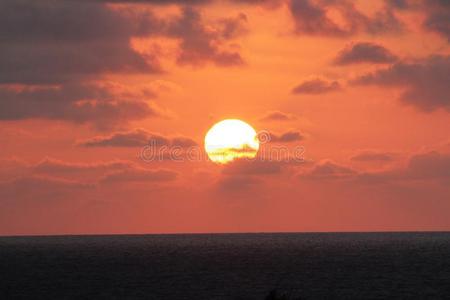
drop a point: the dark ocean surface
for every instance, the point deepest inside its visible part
(227, 266)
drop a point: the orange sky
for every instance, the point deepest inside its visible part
(361, 86)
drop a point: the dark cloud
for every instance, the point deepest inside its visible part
(364, 53)
(287, 137)
(437, 13)
(311, 17)
(278, 116)
(62, 45)
(159, 2)
(316, 86)
(398, 4)
(67, 40)
(373, 156)
(79, 103)
(139, 175)
(268, 3)
(384, 21)
(438, 19)
(265, 3)
(200, 43)
(425, 81)
(137, 138)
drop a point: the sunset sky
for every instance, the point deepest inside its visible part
(362, 87)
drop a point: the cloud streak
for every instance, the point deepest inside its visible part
(137, 138)
(316, 86)
(278, 116)
(139, 175)
(373, 156)
(55, 166)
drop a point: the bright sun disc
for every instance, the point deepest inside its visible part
(230, 139)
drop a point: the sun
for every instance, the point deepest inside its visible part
(230, 139)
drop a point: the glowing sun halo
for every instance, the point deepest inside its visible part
(230, 139)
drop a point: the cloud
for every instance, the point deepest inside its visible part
(253, 167)
(316, 86)
(159, 2)
(373, 156)
(438, 18)
(53, 172)
(398, 4)
(313, 18)
(425, 81)
(270, 4)
(327, 170)
(137, 138)
(437, 13)
(429, 165)
(134, 138)
(265, 3)
(262, 165)
(73, 41)
(12, 168)
(383, 22)
(238, 183)
(244, 174)
(78, 103)
(46, 183)
(183, 142)
(55, 166)
(200, 43)
(77, 171)
(58, 57)
(139, 175)
(278, 116)
(68, 41)
(364, 53)
(41, 188)
(423, 166)
(287, 137)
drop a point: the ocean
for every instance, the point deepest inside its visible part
(227, 266)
